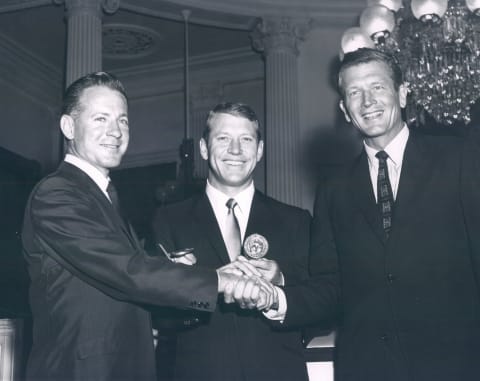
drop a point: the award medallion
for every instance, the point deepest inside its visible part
(255, 246)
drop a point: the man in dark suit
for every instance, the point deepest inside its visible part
(232, 343)
(398, 240)
(90, 277)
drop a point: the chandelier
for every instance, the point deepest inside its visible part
(437, 44)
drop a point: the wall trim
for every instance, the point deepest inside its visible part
(29, 74)
(145, 81)
(150, 158)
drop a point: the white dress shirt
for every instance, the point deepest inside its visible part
(92, 172)
(218, 200)
(244, 199)
(395, 150)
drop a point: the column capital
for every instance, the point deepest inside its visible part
(91, 7)
(280, 34)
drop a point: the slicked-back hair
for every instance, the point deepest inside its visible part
(71, 101)
(241, 110)
(367, 55)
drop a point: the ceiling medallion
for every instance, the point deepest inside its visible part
(128, 41)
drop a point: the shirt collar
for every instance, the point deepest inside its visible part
(394, 149)
(92, 172)
(243, 198)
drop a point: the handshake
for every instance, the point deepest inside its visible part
(250, 283)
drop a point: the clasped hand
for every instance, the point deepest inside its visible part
(249, 283)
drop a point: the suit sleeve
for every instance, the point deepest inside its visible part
(78, 233)
(295, 267)
(316, 299)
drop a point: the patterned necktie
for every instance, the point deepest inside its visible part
(232, 231)
(112, 193)
(384, 192)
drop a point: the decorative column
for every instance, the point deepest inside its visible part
(84, 35)
(204, 98)
(278, 39)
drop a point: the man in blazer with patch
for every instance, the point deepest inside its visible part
(403, 254)
(90, 277)
(233, 343)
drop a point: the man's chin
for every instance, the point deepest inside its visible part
(112, 163)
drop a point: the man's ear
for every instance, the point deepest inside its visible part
(203, 149)
(402, 95)
(260, 150)
(345, 112)
(67, 125)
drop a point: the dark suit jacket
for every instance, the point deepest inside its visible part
(234, 344)
(89, 280)
(410, 305)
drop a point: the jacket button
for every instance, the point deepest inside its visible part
(391, 277)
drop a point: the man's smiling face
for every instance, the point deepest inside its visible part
(232, 151)
(98, 131)
(372, 103)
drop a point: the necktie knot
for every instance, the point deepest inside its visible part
(381, 156)
(231, 204)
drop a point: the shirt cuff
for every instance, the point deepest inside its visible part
(281, 312)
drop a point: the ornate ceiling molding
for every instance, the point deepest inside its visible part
(343, 11)
(124, 41)
(172, 10)
(232, 14)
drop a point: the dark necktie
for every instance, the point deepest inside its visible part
(112, 193)
(233, 239)
(384, 192)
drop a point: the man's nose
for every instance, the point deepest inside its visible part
(114, 129)
(368, 99)
(235, 146)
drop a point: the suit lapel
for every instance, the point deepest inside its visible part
(415, 169)
(92, 189)
(207, 223)
(362, 190)
(259, 220)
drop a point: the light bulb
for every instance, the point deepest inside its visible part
(423, 9)
(393, 5)
(377, 20)
(353, 39)
(474, 6)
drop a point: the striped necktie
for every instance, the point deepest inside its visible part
(384, 192)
